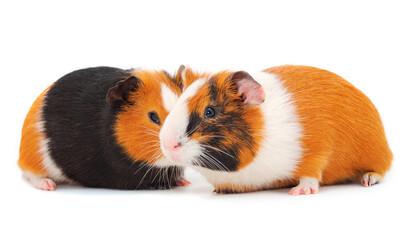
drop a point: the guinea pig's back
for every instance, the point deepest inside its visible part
(342, 131)
(77, 123)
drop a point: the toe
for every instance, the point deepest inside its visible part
(48, 185)
(372, 180)
(293, 191)
(365, 180)
(306, 186)
(306, 190)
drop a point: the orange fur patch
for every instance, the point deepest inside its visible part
(30, 158)
(189, 76)
(135, 132)
(343, 134)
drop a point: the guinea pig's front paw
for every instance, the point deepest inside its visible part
(306, 186)
(183, 183)
(168, 185)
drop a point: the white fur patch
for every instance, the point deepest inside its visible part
(169, 97)
(308, 182)
(192, 89)
(280, 150)
(176, 123)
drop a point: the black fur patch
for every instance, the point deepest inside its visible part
(213, 91)
(78, 122)
(194, 121)
(231, 133)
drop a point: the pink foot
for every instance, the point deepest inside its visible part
(48, 185)
(183, 183)
(370, 178)
(306, 186)
(365, 182)
(39, 181)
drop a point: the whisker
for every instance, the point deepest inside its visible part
(215, 136)
(193, 130)
(218, 162)
(167, 177)
(211, 162)
(215, 162)
(152, 148)
(217, 149)
(155, 141)
(142, 166)
(141, 134)
(139, 157)
(173, 174)
(150, 130)
(143, 177)
(155, 157)
(156, 176)
(217, 166)
(148, 162)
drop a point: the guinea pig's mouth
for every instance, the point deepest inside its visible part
(180, 151)
(174, 157)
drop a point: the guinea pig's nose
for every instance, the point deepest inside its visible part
(172, 144)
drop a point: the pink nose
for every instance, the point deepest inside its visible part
(171, 144)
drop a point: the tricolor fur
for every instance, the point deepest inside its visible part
(93, 127)
(312, 126)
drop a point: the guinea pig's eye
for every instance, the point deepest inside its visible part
(209, 112)
(154, 117)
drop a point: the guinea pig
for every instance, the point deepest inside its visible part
(286, 126)
(99, 127)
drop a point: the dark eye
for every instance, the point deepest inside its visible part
(209, 112)
(154, 117)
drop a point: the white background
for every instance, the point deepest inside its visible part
(366, 42)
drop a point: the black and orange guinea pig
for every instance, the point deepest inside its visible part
(287, 126)
(99, 127)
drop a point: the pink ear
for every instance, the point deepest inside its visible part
(251, 91)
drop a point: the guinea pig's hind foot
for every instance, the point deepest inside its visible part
(40, 182)
(370, 178)
(306, 186)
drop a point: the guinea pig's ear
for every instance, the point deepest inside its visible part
(118, 94)
(178, 76)
(180, 72)
(251, 92)
(187, 75)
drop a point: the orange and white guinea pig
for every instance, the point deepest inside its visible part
(287, 126)
(99, 127)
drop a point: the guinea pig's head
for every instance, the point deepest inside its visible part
(141, 103)
(216, 122)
